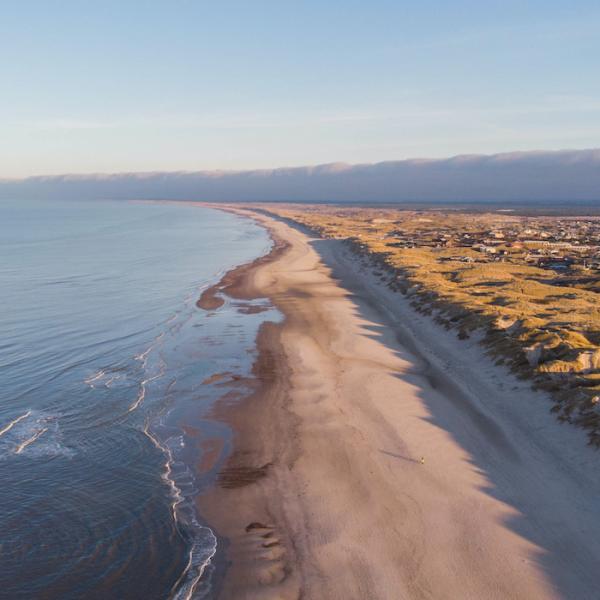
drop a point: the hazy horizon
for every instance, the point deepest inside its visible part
(561, 176)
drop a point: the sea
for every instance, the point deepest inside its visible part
(105, 394)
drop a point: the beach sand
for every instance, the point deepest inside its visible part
(379, 457)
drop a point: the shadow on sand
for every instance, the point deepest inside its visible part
(566, 552)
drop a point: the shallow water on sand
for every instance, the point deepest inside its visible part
(102, 358)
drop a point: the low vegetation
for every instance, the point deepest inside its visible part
(529, 284)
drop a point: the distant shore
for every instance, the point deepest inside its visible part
(377, 456)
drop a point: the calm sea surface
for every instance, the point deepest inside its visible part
(102, 358)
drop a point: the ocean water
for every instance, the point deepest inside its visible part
(104, 415)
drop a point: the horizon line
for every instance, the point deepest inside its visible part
(340, 164)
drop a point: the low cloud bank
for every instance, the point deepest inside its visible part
(570, 176)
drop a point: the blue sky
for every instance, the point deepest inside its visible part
(136, 86)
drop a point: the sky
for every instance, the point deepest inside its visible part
(107, 86)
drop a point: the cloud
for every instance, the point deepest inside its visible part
(568, 176)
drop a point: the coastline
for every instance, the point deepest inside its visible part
(253, 555)
(325, 476)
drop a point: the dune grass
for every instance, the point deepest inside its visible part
(539, 324)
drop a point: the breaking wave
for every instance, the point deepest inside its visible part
(150, 376)
(201, 540)
(33, 434)
(8, 427)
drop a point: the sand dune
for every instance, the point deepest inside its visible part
(382, 458)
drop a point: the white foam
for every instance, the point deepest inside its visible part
(140, 397)
(202, 550)
(22, 435)
(95, 377)
(106, 377)
(29, 441)
(143, 385)
(143, 356)
(8, 427)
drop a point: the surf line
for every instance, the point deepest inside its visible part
(13, 423)
(185, 586)
(95, 377)
(143, 357)
(32, 439)
(142, 388)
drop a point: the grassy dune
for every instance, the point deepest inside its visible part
(542, 325)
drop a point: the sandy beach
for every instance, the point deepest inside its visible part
(379, 457)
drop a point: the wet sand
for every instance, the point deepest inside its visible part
(377, 456)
